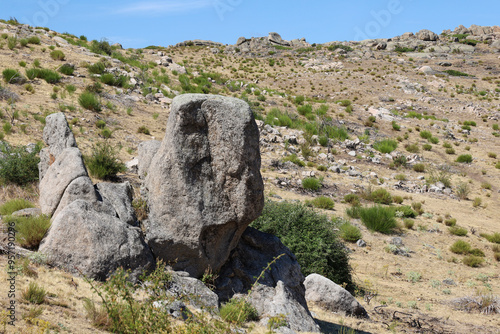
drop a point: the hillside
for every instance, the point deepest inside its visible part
(322, 112)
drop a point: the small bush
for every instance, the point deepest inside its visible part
(34, 40)
(477, 252)
(48, 75)
(67, 69)
(106, 133)
(14, 205)
(103, 163)
(294, 159)
(473, 261)
(405, 211)
(409, 223)
(494, 238)
(419, 168)
(97, 68)
(395, 126)
(349, 233)
(30, 230)
(426, 134)
(354, 212)
(322, 202)
(477, 202)
(311, 183)
(385, 146)
(378, 218)
(90, 101)
(458, 231)
(57, 55)
(427, 147)
(462, 190)
(460, 247)
(13, 76)
(34, 294)
(144, 130)
(412, 148)
(310, 237)
(464, 158)
(19, 166)
(238, 311)
(397, 199)
(450, 222)
(380, 196)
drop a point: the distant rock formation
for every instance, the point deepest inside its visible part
(273, 39)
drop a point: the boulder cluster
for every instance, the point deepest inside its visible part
(203, 188)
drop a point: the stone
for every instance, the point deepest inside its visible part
(79, 188)
(133, 166)
(427, 35)
(28, 212)
(279, 290)
(65, 169)
(240, 41)
(361, 243)
(196, 292)
(275, 38)
(58, 136)
(60, 40)
(95, 244)
(120, 197)
(204, 184)
(426, 70)
(146, 151)
(330, 296)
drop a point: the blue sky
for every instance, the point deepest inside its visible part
(141, 23)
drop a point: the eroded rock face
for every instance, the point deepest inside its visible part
(83, 239)
(204, 184)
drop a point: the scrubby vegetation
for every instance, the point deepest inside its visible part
(103, 162)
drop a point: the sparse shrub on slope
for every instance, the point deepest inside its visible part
(30, 230)
(103, 162)
(19, 166)
(378, 218)
(310, 237)
(14, 205)
(385, 146)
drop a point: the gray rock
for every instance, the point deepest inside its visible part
(120, 197)
(361, 243)
(79, 188)
(176, 309)
(427, 35)
(65, 169)
(84, 240)
(279, 290)
(196, 292)
(275, 38)
(328, 295)
(133, 166)
(146, 151)
(58, 136)
(204, 182)
(29, 212)
(496, 44)
(396, 241)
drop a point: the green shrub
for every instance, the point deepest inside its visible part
(34, 40)
(90, 101)
(48, 75)
(294, 159)
(112, 80)
(106, 133)
(473, 261)
(67, 69)
(459, 231)
(434, 140)
(397, 199)
(477, 252)
(395, 126)
(450, 222)
(412, 148)
(419, 168)
(378, 218)
(144, 130)
(19, 166)
(97, 68)
(323, 202)
(310, 237)
(409, 223)
(354, 212)
(11, 42)
(23, 42)
(57, 55)
(405, 211)
(494, 238)
(311, 183)
(238, 311)
(100, 124)
(427, 147)
(13, 76)
(456, 73)
(103, 163)
(34, 294)
(349, 233)
(30, 230)
(380, 196)
(425, 134)
(385, 146)
(101, 47)
(464, 158)
(14, 205)
(305, 109)
(352, 199)
(460, 247)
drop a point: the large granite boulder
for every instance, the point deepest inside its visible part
(332, 297)
(279, 289)
(204, 185)
(83, 239)
(427, 35)
(146, 151)
(119, 196)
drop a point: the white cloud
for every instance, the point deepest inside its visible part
(157, 7)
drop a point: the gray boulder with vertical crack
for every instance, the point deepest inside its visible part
(146, 151)
(204, 183)
(119, 196)
(81, 238)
